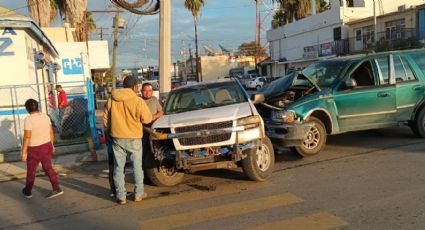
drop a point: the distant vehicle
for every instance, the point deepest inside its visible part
(256, 83)
(246, 78)
(176, 84)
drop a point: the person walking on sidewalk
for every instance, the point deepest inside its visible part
(38, 147)
(123, 117)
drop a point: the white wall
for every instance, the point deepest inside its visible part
(17, 83)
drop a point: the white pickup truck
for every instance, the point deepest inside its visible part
(209, 125)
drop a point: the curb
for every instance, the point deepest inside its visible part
(60, 150)
(63, 164)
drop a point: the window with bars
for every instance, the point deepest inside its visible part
(395, 29)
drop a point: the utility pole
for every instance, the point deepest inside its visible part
(114, 51)
(115, 45)
(165, 46)
(257, 31)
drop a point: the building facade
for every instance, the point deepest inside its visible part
(325, 34)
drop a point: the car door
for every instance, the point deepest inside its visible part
(372, 102)
(409, 90)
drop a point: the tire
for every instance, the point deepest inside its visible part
(164, 174)
(418, 125)
(259, 164)
(258, 87)
(315, 140)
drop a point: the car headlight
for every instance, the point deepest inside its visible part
(249, 122)
(287, 116)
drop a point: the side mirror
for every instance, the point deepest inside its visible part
(257, 98)
(350, 83)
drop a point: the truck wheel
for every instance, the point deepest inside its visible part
(314, 141)
(418, 125)
(162, 173)
(259, 163)
(258, 87)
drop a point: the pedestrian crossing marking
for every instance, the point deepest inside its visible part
(219, 212)
(200, 195)
(317, 221)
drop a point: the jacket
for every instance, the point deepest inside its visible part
(125, 113)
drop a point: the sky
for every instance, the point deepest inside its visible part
(225, 22)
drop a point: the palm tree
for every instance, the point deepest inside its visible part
(195, 7)
(42, 11)
(74, 12)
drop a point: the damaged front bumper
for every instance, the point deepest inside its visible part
(287, 134)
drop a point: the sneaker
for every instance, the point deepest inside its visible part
(26, 193)
(55, 193)
(121, 202)
(140, 198)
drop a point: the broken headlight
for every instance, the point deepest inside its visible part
(287, 116)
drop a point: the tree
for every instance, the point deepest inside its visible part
(42, 11)
(292, 10)
(195, 7)
(249, 49)
(74, 12)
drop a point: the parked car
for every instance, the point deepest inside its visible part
(246, 78)
(209, 125)
(256, 83)
(345, 94)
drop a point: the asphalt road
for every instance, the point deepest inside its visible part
(364, 180)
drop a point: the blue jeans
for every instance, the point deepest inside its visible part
(122, 147)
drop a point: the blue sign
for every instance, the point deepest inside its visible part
(72, 66)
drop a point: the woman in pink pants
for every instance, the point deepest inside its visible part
(38, 147)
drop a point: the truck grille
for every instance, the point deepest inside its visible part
(205, 139)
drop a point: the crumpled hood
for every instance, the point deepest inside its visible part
(123, 94)
(280, 85)
(204, 116)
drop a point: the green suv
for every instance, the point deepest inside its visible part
(345, 94)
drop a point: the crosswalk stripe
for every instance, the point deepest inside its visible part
(200, 195)
(317, 221)
(218, 212)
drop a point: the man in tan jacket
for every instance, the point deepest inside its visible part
(123, 117)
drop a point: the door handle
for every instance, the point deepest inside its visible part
(383, 94)
(418, 88)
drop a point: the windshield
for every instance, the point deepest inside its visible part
(204, 96)
(324, 73)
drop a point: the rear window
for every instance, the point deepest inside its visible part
(419, 58)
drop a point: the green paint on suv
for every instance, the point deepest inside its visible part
(345, 94)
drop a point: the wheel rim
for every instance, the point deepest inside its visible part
(313, 138)
(263, 158)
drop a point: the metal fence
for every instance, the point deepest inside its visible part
(73, 124)
(397, 39)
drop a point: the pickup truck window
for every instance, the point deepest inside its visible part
(204, 96)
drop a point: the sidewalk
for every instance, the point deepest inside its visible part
(62, 163)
